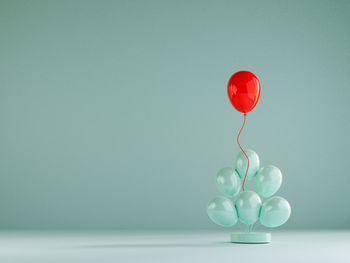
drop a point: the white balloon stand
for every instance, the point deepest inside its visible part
(250, 237)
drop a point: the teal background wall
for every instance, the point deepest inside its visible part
(114, 114)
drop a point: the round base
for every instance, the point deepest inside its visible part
(250, 237)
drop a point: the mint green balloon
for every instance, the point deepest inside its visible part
(275, 212)
(268, 180)
(248, 206)
(241, 163)
(228, 182)
(222, 211)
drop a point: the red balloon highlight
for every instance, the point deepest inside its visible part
(243, 90)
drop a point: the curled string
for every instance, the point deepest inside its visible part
(246, 172)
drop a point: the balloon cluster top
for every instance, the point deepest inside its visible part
(248, 206)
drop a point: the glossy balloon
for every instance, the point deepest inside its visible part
(222, 211)
(268, 180)
(228, 182)
(248, 205)
(275, 212)
(242, 162)
(243, 90)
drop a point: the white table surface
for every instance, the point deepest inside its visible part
(170, 246)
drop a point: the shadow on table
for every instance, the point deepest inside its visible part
(156, 245)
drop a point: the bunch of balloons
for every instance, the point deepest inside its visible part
(243, 90)
(248, 206)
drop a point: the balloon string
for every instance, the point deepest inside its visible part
(246, 172)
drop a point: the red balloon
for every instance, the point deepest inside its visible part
(243, 90)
